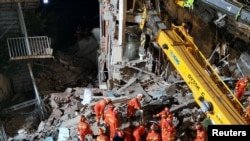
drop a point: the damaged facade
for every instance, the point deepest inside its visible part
(128, 64)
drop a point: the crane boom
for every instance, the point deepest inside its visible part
(209, 90)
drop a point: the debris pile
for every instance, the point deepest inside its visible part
(65, 108)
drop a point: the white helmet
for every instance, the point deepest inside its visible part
(139, 95)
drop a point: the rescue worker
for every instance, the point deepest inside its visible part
(139, 132)
(201, 134)
(153, 135)
(128, 131)
(113, 124)
(99, 109)
(102, 136)
(83, 128)
(164, 124)
(240, 87)
(119, 136)
(165, 111)
(170, 133)
(109, 113)
(134, 105)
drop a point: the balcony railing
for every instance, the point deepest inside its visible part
(29, 48)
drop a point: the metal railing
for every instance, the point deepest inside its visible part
(29, 48)
(19, 106)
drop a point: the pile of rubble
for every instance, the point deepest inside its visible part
(64, 108)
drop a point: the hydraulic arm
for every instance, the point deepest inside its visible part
(209, 90)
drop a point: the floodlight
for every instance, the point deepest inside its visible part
(45, 1)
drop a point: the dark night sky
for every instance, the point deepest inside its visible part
(69, 14)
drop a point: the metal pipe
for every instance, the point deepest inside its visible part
(23, 27)
(122, 16)
(100, 23)
(40, 104)
(238, 67)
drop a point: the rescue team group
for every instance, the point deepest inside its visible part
(164, 130)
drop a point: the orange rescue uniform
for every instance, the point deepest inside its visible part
(169, 134)
(108, 114)
(201, 135)
(139, 132)
(163, 124)
(128, 134)
(102, 138)
(113, 125)
(99, 109)
(133, 105)
(83, 129)
(240, 88)
(165, 111)
(153, 136)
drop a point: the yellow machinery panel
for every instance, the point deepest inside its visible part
(198, 80)
(209, 90)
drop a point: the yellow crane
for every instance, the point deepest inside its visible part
(209, 90)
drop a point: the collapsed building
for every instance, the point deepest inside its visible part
(124, 70)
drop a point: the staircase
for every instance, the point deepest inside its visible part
(21, 81)
(9, 21)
